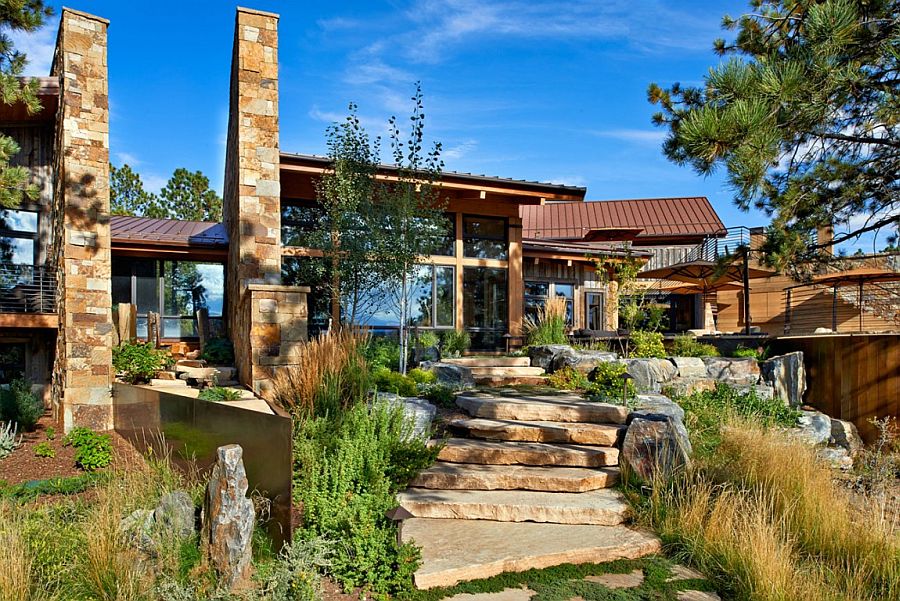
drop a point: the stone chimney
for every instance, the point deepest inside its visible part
(82, 373)
(824, 236)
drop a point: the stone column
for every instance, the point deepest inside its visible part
(82, 375)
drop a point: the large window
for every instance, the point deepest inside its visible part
(485, 237)
(537, 293)
(447, 246)
(485, 305)
(18, 236)
(297, 222)
(594, 309)
(430, 297)
(312, 272)
(12, 361)
(174, 289)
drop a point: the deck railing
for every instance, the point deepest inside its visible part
(27, 289)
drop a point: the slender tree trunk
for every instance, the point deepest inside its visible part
(404, 309)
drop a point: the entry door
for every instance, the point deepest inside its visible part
(594, 311)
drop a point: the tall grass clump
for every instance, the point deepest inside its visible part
(15, 560)
(330, 375)
(549, 326)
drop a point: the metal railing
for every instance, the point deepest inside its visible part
(27, 288)
(732, 241)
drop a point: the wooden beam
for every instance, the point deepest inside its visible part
(516, 279)
(29, 320)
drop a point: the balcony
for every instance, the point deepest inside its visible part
(27, 295)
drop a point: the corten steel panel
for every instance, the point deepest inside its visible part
(193, 429)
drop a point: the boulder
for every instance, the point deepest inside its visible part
(735, 371)
(457, 377)
(542, 356)
(837, 457)
(583, 361)
(762, 391)
(428, 353)
(845, 435)
(137, 527)
(650, 374)
(687, 386)
(656, 407)
(787, 375)
(175, 513)
(419, 412)
(652, 445)
(228, 518)
(813, 428)
(689, 367)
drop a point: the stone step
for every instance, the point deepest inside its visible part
(568, 432)
(464, 450)
(165, 382)
(490, 361)
(503, 381)
(502, 371)
(457, 550)
(473, 476)
(603, 507)
(541, 407)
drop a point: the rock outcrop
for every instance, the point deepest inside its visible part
(457, 377)
(652, 445)
(650, 374)
(734, 371)
(583, 361)
(543, 355)
(787, 375)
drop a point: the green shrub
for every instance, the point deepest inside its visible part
(19, 404)
(549, 326)
(421, 376)
(688, 346)
(428, 339)
(568, 378)
(606, 383)
(348, 469)
(382, 351)
(439, 394)
(758, 353)
(219, 393)
(93, 451)
(218, 351)
(647, 344)
(139, 361)
(50, 432)
(454, 343)
(43, 449)
(386, 380)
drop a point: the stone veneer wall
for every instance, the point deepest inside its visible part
(82, 373)
(266, 321)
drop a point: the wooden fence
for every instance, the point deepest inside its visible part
(854, 377)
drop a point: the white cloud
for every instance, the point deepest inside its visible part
(127, 157)
(460, 150)
(637, 136)
(153, 182)
(38, 47)
(569, 180)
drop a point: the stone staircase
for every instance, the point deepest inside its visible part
(501, 371)
(524, 483)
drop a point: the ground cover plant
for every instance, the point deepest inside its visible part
(93, 450)
(219, 394)
(607, 383)
(645, 344)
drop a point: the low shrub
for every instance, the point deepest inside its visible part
(50, 432)
(386, 380)
(139, 361)
(607, 383)
(454, 343)
(43, 449)
(219, 394)
(686, 345)
(330, 374)
(568, 378)
(9, 439)
(549, 326)
(348, 469)
(382, 351)
(93, 450)
(422, 376)
(427, 339)
(646, 344)
(19, 404)
(439, 394)
(759, 353)
(218, 351)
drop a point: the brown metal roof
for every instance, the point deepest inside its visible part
(657, 217)
(579, 249)
(167, 232)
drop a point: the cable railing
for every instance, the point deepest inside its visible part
(713, 248)
(27, 289)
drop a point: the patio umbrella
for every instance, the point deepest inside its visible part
(854, 277)
(682, 288)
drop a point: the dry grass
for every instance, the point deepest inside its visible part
(15, 559)
(549, 326)
(764, 516)
(331, 374)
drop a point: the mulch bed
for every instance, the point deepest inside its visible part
(23, 465)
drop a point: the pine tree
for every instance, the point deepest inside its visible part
(804, 115)
(187, 196)
(126, 193)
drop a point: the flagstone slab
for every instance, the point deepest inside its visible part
(465, 450)
(457, 550)
(468, 476)
(632, 579)
(540, 431)
(536, 407)
(604, 507)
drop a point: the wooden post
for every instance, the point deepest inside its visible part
(203, 327)
(127, 321)
(153, 329)
(834, 309)
(747, 319)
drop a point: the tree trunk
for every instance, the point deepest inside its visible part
(403, 311)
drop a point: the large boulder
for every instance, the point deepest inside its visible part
(845, 435)
(656, 407)
(419, 412)
(734, 371)
(650, 374)
(583, 361)
(175, 513)
(787, 375)
(689, 367)
(688, 386)
(762, 391)
(813, 428)
(173, 517)
(837, 457)
(542, 355)
(652, 445)
(228, 518)
(457, 377)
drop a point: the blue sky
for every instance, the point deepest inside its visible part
(550, 91)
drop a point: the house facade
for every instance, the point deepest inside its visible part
(68, 263)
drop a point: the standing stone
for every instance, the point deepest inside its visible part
(652, 445)
(228, 517)
(656, 407)
(787, 375)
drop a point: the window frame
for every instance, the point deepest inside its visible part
(466, 238)
(24, 234)
(551, 292)
(587, 309)
(303, 203)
